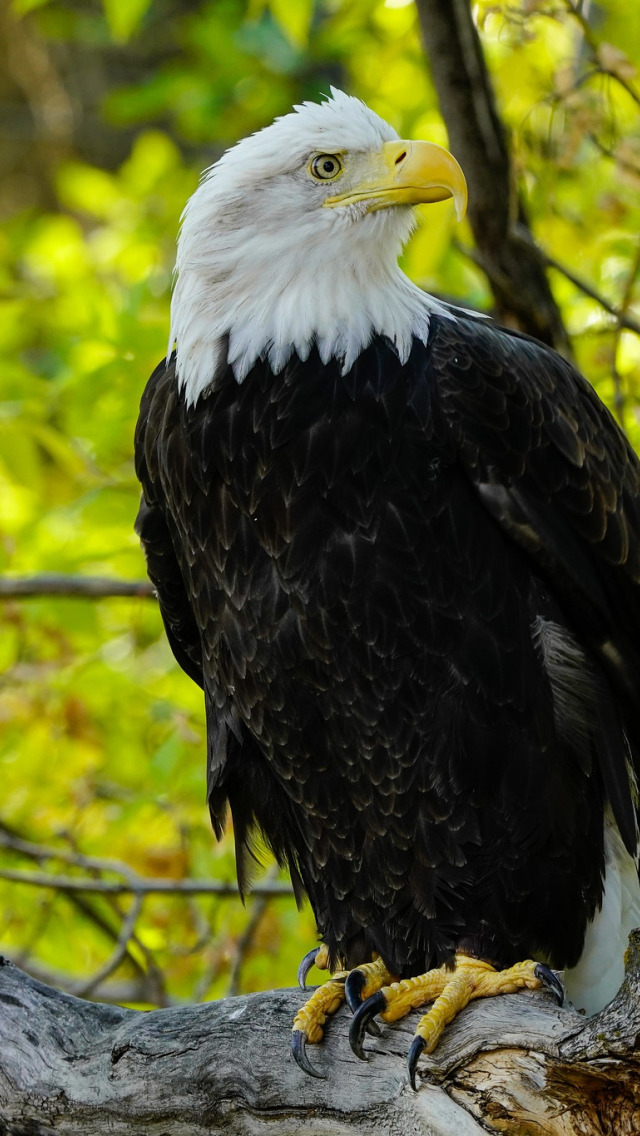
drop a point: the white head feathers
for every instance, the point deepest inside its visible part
(264, 270)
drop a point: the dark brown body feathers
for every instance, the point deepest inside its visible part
(411, 595)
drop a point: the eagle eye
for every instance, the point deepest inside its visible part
(325, 167)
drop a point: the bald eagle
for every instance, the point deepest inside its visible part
(399, 549)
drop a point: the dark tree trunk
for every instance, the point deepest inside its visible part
(505, 248)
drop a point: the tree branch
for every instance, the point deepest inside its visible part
(515, 1064)
(506, 249)
(141, 885)
(58, 584)
(133, 883)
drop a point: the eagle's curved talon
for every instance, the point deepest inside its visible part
(355, 983)
(299, 1054)
(305, 966)
(551, 981)
(416, 1049)
(362, 1018)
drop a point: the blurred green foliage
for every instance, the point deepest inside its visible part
(113, 109)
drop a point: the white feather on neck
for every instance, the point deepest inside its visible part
(264, 271)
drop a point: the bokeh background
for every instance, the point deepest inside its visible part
(109, 111)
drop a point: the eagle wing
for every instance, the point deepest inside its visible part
(230, 748)
(151, 526)
(555, 471)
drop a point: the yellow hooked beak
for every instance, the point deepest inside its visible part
(409, 173)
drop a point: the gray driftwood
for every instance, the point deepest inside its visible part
(515, 1064)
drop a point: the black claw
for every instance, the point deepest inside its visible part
(299, 1052)
(305, 966)
(551, 981)
(417, 1048)
(353, 987)
(361, 1019)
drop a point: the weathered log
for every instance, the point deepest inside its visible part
(515, 1064)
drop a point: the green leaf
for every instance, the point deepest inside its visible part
(294, 17)
(124, 17)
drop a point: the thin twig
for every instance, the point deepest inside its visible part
(120, 951)
(625, 321)
(243, 945)
(11, 840)
(58, 584)
(34, 851)
(627, 298)
(134, 885)
(576, 11)
(607, 152)
(141, 886)
(125, 938)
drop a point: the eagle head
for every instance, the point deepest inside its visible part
(292, 240)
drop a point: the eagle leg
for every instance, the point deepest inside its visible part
(450, 991)
(326, 999)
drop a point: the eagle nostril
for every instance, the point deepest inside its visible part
(401, 157)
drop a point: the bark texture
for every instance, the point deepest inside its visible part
(505, 248)
(515, 1064)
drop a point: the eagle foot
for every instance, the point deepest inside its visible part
(352, 986)
(450, 991)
